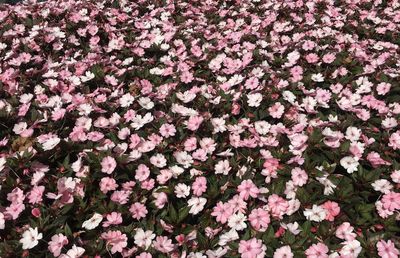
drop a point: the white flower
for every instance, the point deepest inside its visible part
(182, 190)
(158, 160)
(87, 77)
(2, 221)
(235, 79)
(222, 167)
(20, 127)
(317, 77)
(353, 133)
(93, 222)
(349, 163)
(30, 238)
(176, 171)
(196, 204)
(220, 252)
(351, 249)
(254, 100)
(229, 236)
(2, 163)
(292, 227)
(138, 121)
(218, 124)
(382, 185)
(317, 213)
(25, 98)
(126, 100)
(74, 252)
(262, 127)
(237, 221)
(85, 109)
(48, 141)
(186, 96)
(389, 122)
(183, 158)
(143, 239)
(289, 96)
(146, 103)
(329, 186)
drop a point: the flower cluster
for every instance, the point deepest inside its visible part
(203, 128)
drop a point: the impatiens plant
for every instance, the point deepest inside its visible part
(240, 128)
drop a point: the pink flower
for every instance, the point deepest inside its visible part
(108, 164)
(120, 197)
(312, 58)
(375, 159)
(386, 249)
(108, 184)
(138, 210)
(391, 201)
(277, 205)
(190, 144)
(222, 212)
(56, 244)
(247, 188)
(328, 58)
(186, 77)
(35, 195)
(167, 130)
(142, 172)
(116, 240)
(259, 219)
(251, 248)
(114, 218)
(14, 210)
(332, 210)
(199, 186)
(319, 250)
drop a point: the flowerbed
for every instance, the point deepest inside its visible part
(204, 129)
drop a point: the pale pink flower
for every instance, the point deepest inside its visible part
(116, 240)
(167, 130)
(108, 164)
(299, 176)
(194, 122)
(163, 244)
(56, 244)
(142, 172)
(319, 250)
(283, 252)
(345, 232)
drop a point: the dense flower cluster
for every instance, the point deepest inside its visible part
(247, 128)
